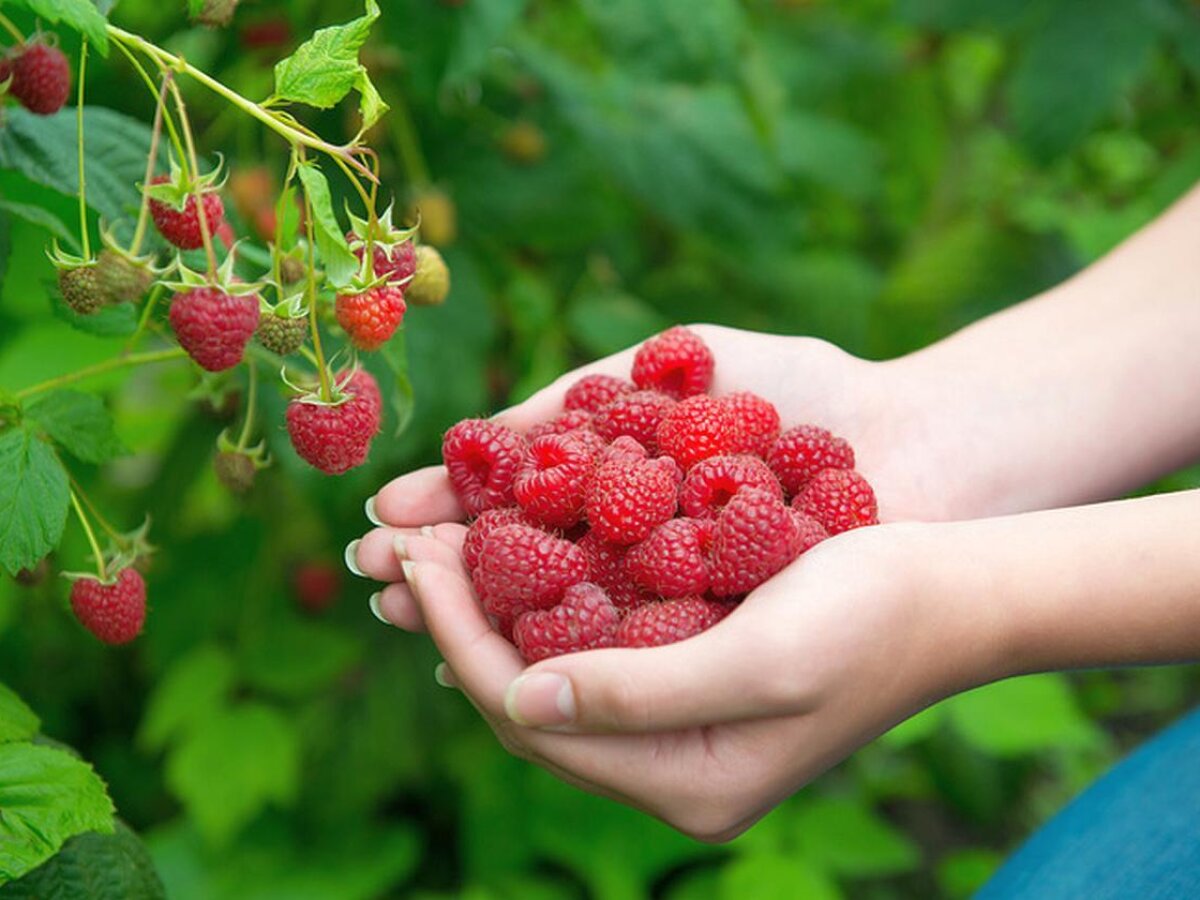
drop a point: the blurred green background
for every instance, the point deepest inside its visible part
(875, 173)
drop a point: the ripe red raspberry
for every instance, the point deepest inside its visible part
(624, 449)
(114, 612)
(594, 392)
(627, 500)
(523, 568)
(656, 624)
(758, 421)
(315, 585)
(585, 620)
(182, 226)
(214, 326)
(551, 483)
(809, 532)
(41, 78)
(802, 452)
(756, 536)
(673, 560)
(606, 567)
(840, 499)
(81, 289)
(482, 459)
(676, 362)
(697, 428)
(713, 482)
(396, 266)
(573, 420)
(481, 529)
(371, 317)
(336, 437)
(636, 415)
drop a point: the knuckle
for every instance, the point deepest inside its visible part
(620, 701)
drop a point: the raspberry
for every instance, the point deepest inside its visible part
(670, 621)
(697, 428)
(522, 568)
(627, 500)
(552, 482)
(213, 326)
(283, 335)
(396, 264)
(122, 279)
(624, 449)
(182, 226)
(810, 532)
(235, 471)
(585, 620)
(758, 421)
(336, 437)
(81, 288)
(431, 284)
(672, 561)
(562, 424)
(713, 482)
(315, 585)
(481, 529)
(41, 78)
(840, 499)
(114, 612)
(593, 392)
(606, 567)
(756, 536)
(802, 452)
(216, 13)
(482, 459)
(636, 415)
(676, 362)
(372, 316)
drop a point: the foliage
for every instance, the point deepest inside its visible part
(875, 174)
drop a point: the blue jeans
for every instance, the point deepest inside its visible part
(1133, 835)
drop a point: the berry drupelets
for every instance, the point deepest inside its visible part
(644, 510)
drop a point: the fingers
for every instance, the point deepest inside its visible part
(731, 672)
(395, 605)
(419, 498)
(378, 554)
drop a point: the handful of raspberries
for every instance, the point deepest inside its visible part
(646, 510)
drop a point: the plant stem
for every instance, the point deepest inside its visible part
(12, 29)
(141, 70)
(251, 405)
(95, 513)
(147, 310)
(109, 365)
(91, 536)
(139, 233)
(83, 220)
(198, 195)
(311, 297)
(293, 135)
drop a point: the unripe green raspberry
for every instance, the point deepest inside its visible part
(431, 283)
(122, 279)
(235, 471)
(81, 289)
(281, 334)
(217, 13)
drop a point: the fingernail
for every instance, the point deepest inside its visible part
(375, 608)
(369, 509)
(400, 546)
(410, 573)
(439, 675)
(351, 558)
(427, 531)
(540, 700)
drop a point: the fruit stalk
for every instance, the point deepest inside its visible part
(84, 238)
(118, 362)
(12, 29)
(91, 536)
(206, 234)
(139, 233)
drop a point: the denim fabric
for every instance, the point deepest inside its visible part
(1133, 835)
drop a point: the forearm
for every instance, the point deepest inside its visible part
(1078, 395)
(1111, 584)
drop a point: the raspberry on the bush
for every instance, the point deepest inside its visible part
(214, 326)
(677, 363)
(756, 535)
(552, 481)
(840, 499)
(181, 225)
(482, 458)
(627, 500)
(522, 568)
(336, 437)
(669, 621)
(591, 393)
(697, 428)
(800, 453)
(113, 611)
(713, 482)
(585, 620)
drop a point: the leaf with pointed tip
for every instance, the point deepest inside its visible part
(33, 499)
(340, 263)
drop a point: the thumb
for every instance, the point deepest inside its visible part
(724, 674)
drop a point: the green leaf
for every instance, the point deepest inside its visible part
(830, 153)
(917, 728)
(605, 322)
(82, 15)
(952, 15)
(847, 838)
(771, 876)
(481, 26)
(325, 68)
(17, 721)
(1022, 715)
(963, 872)
(93, 866)
(36, 215)
(33, 499)
(403, 397)
(47, 795)
(192, 692)
(79, 423)
(227, 772)
(1075, 65)
(340, 263)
